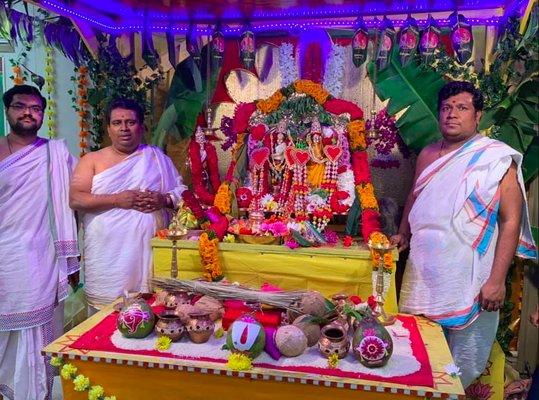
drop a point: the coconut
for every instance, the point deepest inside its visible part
(211, 306)
(290, 340)
(310, 329)
(183, 311)
(313, 303)
(246, 336)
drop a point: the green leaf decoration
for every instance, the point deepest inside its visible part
(165, 126)
(414, 90)
(530, 164)
(5, 23)
(188, 96)
(513, 121)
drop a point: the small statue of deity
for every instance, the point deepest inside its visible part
(314, 141)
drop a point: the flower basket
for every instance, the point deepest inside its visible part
(254, 239)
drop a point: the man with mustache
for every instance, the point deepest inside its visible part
(38, 245)
(123, 192)
(465, 219)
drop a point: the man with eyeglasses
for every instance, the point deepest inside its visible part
(38, 245)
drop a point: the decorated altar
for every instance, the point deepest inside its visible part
(328, 270)
(133, 369)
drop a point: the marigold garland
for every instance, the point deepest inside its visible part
(313, 89)
(82, 108)
(356, 132)
(367, 199)
(222, 198)
(81, 383)
(209, 257)
(270, 104)
(18, 77)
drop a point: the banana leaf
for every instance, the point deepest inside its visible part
(187, 96)
(515, 118)
(5, 23)
(530, 164)
(414, 89)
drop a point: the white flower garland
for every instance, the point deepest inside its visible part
(287, 64)
(334, 74)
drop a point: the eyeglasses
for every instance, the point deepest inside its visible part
(22, 107)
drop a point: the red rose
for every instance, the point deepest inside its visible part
(244, 197)
(355, 299)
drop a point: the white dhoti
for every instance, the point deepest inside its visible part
(117, 250)
(38, 250)
(454, 230)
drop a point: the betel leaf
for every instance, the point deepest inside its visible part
(413, 89)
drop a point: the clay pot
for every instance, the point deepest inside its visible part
(173, 299)
(169, 325)
(200, 327)
(333, 340)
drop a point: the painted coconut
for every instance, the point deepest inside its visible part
(372, 344)
(246, 335)
(136, 320)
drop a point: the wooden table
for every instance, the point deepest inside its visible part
(133, 376)
(328, 270)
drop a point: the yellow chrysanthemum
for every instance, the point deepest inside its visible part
(57, 361)
(81, 383)
(96, 392)
(163, 343)
(68, 371)
(239, 362)
(333, 361)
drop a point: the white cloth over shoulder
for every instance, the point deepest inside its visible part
(38, 250)
(454, 230)
(117, 250)
(38, 238)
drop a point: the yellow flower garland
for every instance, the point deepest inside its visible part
(222, 198)
(49, 89)
(356, 131)
(209, 256)
(81, 383)
(367, 199)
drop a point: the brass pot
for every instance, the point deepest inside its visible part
(333, 340)
(200, 327)
(175, 298)
(169, 325)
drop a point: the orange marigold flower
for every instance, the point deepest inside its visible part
(366, 196)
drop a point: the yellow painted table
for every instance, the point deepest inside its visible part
(134, 376)
(328, 270)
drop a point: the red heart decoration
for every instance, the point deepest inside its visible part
(289, 155)
(301, 157)
(332, 152)
(260, 156)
